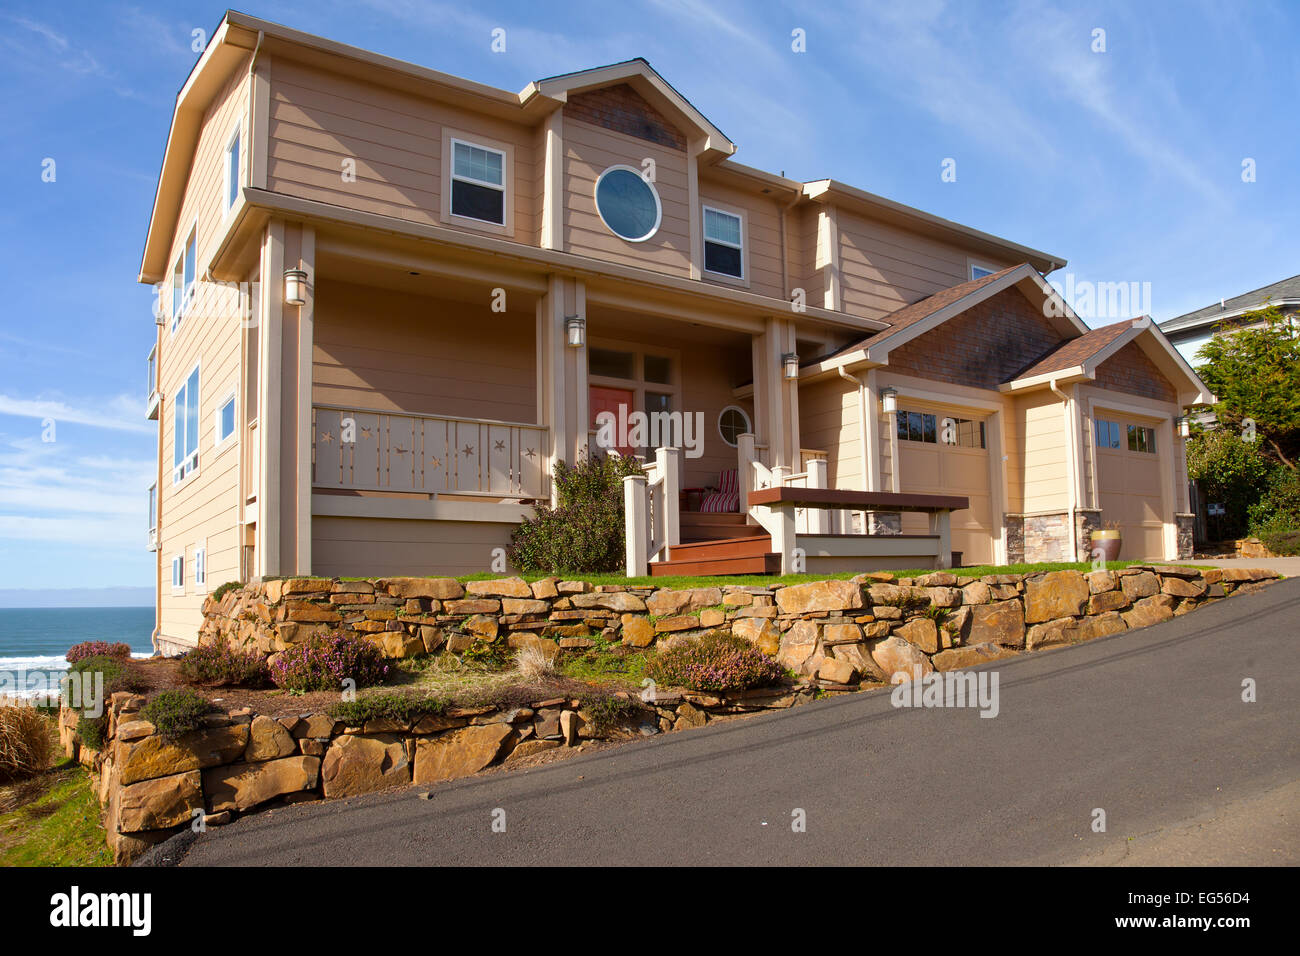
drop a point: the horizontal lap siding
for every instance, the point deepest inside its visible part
(762, 235)
(884, 267)
(205, 506)
(589, 151)
(366, 547)
(318, 120)
(1041, 452)
(709, 372)
(380, 349)
(829, 422)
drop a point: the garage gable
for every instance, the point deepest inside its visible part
(1130, 371)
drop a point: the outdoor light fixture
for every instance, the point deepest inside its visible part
(790, 365)
(295, 286)
(1184, 427)
(575, 331)
(889, 400)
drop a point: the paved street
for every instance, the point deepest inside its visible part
(1148, 726)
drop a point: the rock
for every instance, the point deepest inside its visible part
(134, 730)
(1002, 623)
(527, 748)
(500, 587)
(837, 671)
(799, 648)
(893, 655)
(1064, 630)
(841, 634)
(895, 596)
(306, 586)
(688, 715)
(944, 597)
(483, 626)
(977, 592)
(523, 606)
(1101, 581)
(760, 632)
(267, 740)
(671, 603)
(570, 725)
(858, 656)
(242, 785)
(1140, 585)
(153, 756)
(1180, 587)
(305, 612)
(1107, 601)
(432, 638)
(1100, 625)
(547, 721)
(400, 644)
(939, 579)
(683, 622)
(971, 655)
(922, 632)
(315, 725)
(545, 589)
(818, 596)
(443, 589)
(637, 631)
(1151, 610)
(1055, 594)
(548, 648)
(456, 642)
(159, 802)
(355, 764)
(712, 617)
(473, 606)
(435, 723)
(460, 752)
(609, 600)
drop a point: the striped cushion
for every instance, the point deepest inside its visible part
(726, 498)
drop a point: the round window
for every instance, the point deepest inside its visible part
(732, 423)
(628, 204)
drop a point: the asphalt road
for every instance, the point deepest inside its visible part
(1148, 726)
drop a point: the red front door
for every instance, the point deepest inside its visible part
(601, 398)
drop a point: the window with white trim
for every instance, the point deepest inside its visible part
(178, 572)
(232, 172)
(223, 423)
(183, 278)
(201, 565)
(933, 430)
(724, 243)
(733, 422)
(1141, 438)
(478, 185)
(1107, 433)
(979, 272)
(185, 425)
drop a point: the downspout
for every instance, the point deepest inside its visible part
(1071, 451)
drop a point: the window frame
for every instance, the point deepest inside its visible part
(749, 424)
(235, 139)
(185, 470)
(450, 138)
(743, 248)
(219, 443)
(201, 566)
(178, 561)
(987, 268)
(659, 204)
(638, 386)
(187, 261)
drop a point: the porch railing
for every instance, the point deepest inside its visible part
(367, 450)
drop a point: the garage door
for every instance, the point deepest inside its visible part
(929, 465)
(1128, 477)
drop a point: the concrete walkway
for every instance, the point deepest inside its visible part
(1287, 566)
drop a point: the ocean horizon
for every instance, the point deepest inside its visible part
(33, 641)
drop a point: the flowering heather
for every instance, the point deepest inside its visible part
(218, 664)
(323, 663)
(79, 652)
(714, 662)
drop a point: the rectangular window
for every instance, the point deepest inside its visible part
(178, 572)
(183, 279)
(927, 428)
(1141, 438)
(724, 243)
(978, 271)
(478, 189)
(611, 364)
(232, 172)
(1107, 433)
(224, 425)
(200, 565)
(917, 426)
(178, 291)
(185, 424)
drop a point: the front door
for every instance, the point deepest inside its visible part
(602, 398)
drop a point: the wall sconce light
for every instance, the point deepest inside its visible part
(1184, 427)
(295, 286)
(575, 331)
(889, 400)
(790, 366)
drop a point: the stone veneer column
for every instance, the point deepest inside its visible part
(1184, 527)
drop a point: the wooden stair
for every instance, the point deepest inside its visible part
(718, 544)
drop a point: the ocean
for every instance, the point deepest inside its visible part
(34, 640)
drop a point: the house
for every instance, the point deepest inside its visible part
(390, 300)
(1190, 331)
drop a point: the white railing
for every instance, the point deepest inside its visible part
(364, 450)
(651, 511)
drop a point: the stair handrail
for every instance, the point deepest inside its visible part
(651, 511)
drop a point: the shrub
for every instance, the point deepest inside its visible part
(92, 731)
(716, 661)
(324, 663)
(79, 652)
(175, 713)
(607, 711)
(489, 655)
(117, 671)
(533, 662)
(221, 590)
(25, 744)
(403, 708)
(584, 533)
(1231, 471)
(219, 665)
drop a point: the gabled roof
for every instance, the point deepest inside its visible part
(1283, 292)
(1074, 352)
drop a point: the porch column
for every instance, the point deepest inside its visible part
(284, 379)
(776, 400)
(562, 371)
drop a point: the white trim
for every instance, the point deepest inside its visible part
(705, 209)
(749, 423)
(178, 588)
(218, 442)
(502, 187)
(201, 566)
(227, 202)
(188, 292)
(348, 506)
(186, 470)
(659, 206)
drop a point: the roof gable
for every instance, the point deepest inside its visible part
(624, 110)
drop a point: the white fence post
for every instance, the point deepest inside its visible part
(818, 518)
(634, 515)
(941, 524)
(745, 472)
(669, 461)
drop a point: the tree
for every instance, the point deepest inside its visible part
(1255, 374)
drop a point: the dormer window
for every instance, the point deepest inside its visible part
(478, 189)
(724, 243)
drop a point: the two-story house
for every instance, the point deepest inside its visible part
(391, 300)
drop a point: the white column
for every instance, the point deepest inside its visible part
(669, 465)
(634, 513)
(941, 524)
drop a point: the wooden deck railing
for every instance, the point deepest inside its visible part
(367, 450)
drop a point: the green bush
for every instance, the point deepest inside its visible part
(584, 533)
(607, 711)
(325, 662)
(221, 590)
(716, 662)
(1231, 471)
(175, 713)
(118, 673)
(403, 708)
(92, 731)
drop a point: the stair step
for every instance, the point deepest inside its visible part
(755, 564)
(721, 548)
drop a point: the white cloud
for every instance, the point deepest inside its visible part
(121, 413)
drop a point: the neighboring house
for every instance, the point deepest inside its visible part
(1190, 331)
(390, 300)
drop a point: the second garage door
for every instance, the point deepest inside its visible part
(1128, 477)
(930, 465)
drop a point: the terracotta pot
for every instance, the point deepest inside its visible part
(1108, 542)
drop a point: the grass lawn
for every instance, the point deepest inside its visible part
(52, 820)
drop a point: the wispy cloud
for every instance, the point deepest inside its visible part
(121, 413)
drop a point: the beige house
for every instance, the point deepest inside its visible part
(390, 300)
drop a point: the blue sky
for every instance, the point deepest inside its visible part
(1127, 162)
